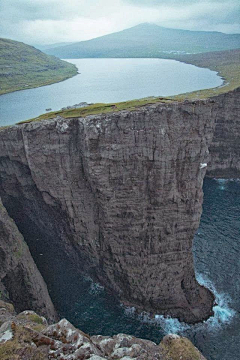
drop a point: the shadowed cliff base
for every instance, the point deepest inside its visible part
(20, 280)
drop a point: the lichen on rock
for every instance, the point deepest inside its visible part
(19, 340)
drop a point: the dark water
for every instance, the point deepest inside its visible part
(217, 259)
(107, 80)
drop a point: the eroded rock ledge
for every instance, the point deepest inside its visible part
(27, 336)
(122, 194)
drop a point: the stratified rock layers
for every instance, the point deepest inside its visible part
(122, 193)
(225, 147)
(20, 279)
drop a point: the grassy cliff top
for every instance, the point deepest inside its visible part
(226, 63)
(99, 108)
(23, 67)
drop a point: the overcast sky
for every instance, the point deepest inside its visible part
(50, 21)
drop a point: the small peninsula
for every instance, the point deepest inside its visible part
(23, 67)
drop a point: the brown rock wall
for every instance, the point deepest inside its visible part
(225, 147)
(122, 193)
(20, 280)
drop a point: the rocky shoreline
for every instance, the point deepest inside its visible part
(28, 336)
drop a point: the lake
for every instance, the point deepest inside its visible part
(107, 80)
(216, 244)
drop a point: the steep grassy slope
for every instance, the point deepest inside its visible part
(22, 66)
(148, 40)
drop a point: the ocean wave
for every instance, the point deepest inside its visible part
(223, 314)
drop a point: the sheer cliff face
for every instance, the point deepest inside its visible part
(122, 194)
(20, 279)
(225, 147)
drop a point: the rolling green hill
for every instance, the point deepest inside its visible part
(148, 40)
(23, 67)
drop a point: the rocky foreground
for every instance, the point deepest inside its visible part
(28, 336)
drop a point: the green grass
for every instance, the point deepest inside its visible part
(23, 67)
(100, 108)
(31, 317)
(20, 344)
(35, 318)
(180, 348)
(225, 63)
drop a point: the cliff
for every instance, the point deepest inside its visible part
(225, 147)
(121, 193)
(27, 336)
(20, 279)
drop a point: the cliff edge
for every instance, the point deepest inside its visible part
(121, 193)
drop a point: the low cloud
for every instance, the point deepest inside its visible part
(49, 21)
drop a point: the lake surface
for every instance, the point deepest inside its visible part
(108, 80)
(216, 251)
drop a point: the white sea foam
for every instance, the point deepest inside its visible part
(222, 183)
(95, 288)
(223, 314)
(129, 311)
(171, 325)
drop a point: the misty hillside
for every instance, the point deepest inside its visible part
(148, 40)
(22, 67)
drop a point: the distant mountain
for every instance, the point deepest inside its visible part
(148, 40)
(23, 67)
(51, 46)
